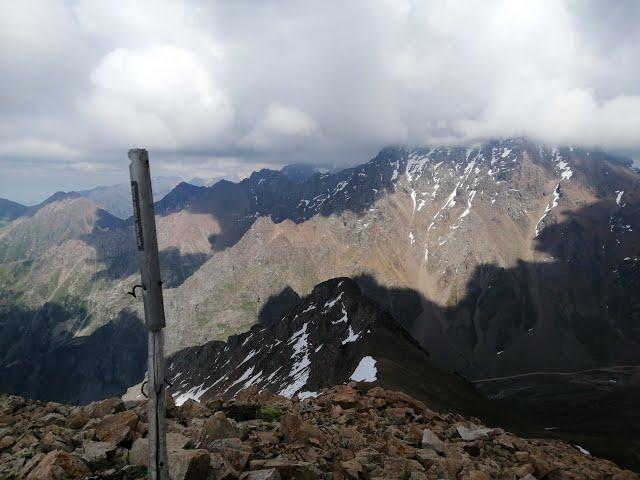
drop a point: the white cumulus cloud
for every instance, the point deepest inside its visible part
(274, 82)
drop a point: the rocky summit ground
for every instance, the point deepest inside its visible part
(348, 432)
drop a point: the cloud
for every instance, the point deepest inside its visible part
(267, 83)
(161, 96)
(35, 148)
(280, 125)
(557, 113)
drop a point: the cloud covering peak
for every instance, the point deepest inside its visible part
(213, 86)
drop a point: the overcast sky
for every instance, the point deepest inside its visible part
(213, 88)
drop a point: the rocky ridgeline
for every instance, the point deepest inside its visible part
(348, 432)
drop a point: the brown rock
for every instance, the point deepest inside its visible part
(143, 428)
(504, 442)
(542, 467)
(30, 465)
(118, 428)
(377, 392)
(293, 470)
(77, 419)
(345, 396)
(217, 427)
(431, 440)
(170, 405)
(232, 450)
(477, 475)
(473, 448)
(97, 454)
(297, 430)
(398, 467)
(366, 403)
(266, 438)
(269, 474)
(51, 441)
(188, 464)
(53, 419)
(105, 407)
(139, 453)
(418, 476)
(193, 409)
(524, 470)
(427, 457)
(352, 468)
(7, 420)
(402, 399)
(59, 465)
(398, 415)
(120, 457)
(7, 441)
(222, 470)
(27, 440)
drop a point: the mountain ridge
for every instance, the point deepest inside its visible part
(332, 336)
(538, 217)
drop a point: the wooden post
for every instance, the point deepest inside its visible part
(145, 230)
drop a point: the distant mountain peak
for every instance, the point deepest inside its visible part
(299, 172)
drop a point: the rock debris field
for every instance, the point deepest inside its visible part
(348, 432)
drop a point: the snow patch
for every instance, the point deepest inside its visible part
(366, 371)
(330, 303)
(252, 353)
(351, 337)
(194, 394)
(303, 395)
(344, 317)
(584, 451)
(551, 206)
(300, 370)
(242, 378)
(309, 308)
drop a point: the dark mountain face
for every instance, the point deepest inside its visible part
(10, 210)
(285, 195)
(43, 361)
(335, 334)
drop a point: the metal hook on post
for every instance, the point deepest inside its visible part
(133, 290)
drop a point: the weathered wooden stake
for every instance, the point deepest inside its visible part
(145, 230)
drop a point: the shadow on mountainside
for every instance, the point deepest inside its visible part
(605, 420)
(271, 193)
(277, 306)
(41, 358)
(116, 253)
(577, 309)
